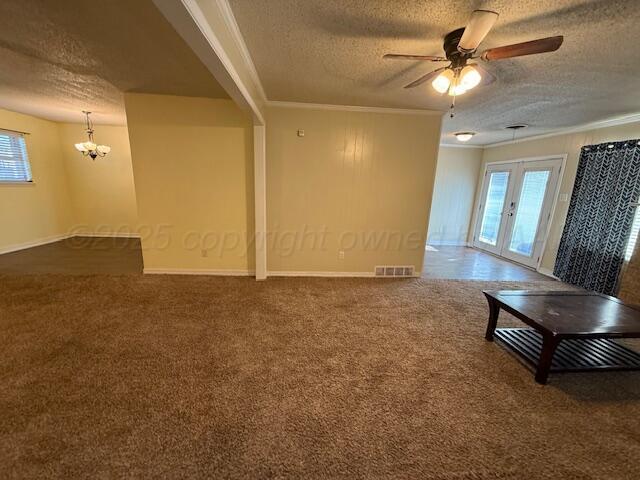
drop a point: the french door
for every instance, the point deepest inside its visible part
(515, 207)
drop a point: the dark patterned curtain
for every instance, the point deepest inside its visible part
(600, 216)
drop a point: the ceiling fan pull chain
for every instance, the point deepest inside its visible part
(452, 108)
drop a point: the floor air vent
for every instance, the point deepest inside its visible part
(393, 271)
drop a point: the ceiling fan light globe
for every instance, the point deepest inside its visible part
(443, 81)
(470, 77)
(457, 90)
(90, 145)
(80, 147)
(103, 149)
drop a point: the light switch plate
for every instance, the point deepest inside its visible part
(564, 197)
(301, 133)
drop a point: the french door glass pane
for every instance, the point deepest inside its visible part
(525, 228)
(633, 238)
(490, 227)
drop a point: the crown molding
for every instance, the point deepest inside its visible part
(352, 108)
(449, 145)
(230, 20)
(585, 127)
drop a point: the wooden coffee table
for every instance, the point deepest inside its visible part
(570, 330)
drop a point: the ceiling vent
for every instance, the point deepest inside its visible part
(516, 128)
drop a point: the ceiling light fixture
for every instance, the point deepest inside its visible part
(461, 46)
(457, 81)
(464, 136)
(90, 148)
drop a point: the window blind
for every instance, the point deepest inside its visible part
(14, 163)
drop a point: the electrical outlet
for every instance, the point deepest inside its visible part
(341, 255)
(301, 133)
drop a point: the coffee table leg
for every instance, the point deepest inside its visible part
(549, 345)
(494, 310)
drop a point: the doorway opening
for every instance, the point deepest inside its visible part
(516, 202)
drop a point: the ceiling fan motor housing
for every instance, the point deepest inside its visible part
(450, 46)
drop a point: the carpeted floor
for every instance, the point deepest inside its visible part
(204, 377)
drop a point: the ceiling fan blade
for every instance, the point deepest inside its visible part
(542, 45)
(429, 58)
(478, 27)
(425, 78)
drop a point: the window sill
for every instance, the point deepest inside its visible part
(5, 182)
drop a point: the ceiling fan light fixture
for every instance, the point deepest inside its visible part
(442, 82)
(457, 90)
(470, 77)
(464, 136)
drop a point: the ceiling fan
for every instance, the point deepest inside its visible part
(461, 75)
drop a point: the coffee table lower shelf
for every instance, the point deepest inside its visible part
(571, 355)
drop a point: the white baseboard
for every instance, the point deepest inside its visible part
(33, 243)
(107, 235)
(331, 274)
(198, 271)
(547, 272)
(56, 238)
(320, 274)
(448, 243)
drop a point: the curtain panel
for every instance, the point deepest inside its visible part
(600, 216)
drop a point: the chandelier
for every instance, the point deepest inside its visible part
(90, 148)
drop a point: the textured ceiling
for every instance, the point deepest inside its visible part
(330, 51)
(61, 57)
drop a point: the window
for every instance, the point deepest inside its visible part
(633, 238)
(14, 164)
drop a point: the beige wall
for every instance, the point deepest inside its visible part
(102, 190)
(32, 213)
(193, 170)
(569, 144)
(357, 182)
(454, 195)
